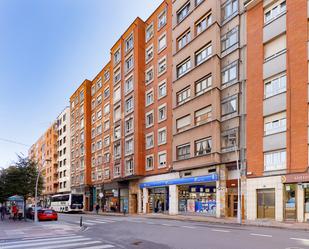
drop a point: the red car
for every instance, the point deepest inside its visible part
(47, 214)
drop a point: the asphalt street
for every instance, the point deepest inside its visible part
(135, 232)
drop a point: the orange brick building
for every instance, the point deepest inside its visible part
(277, 110)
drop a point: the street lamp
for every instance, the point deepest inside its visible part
(36, 190)
(239, 218)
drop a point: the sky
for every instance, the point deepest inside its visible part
(47, 49)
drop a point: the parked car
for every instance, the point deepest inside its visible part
(47, 214)
(30, 212)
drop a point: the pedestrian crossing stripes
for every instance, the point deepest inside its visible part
(95, 222)
(63, 242)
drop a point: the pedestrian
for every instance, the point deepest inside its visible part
(2, 211)
(14, 211)
(97, 208)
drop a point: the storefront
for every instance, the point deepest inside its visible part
(124, 200)
(194, 195)
(115, 197)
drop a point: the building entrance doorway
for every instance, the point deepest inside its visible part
(232, 205)
(290, 201)
(266, 204)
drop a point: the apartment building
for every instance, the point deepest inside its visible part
(208, 74)
(80, 122)
(64, 151)
(44, 153)
(277, 110)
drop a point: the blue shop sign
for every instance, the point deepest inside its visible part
(178, 181)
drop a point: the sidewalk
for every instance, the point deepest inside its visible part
(226, 221)
(14, 230)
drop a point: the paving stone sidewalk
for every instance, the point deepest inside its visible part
(11, 230)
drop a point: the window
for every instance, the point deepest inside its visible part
(183, 67)
(203, 23)
(198, 2)
(275, 86)
(106, 93)
(162, 66)
(230, 73)
(162, 136)
(129, 125)
(149, 75)
(183, 95)
(107, 157)
(99, 83)
(117, 150)
(202, 147)
(129, 105)
(149, 97)
(149, 140)
(183, 151)
(274, 11)
(82, 137)
(129, 167)
(183, 12)
(117, 56)
(128, 85)
(129, 63)
(106, 109)
(203, 85)
(162, 159)
(129, 43)
(117, 170)
(149, 119)
(149, 162)
(99, 114)
(149, 53)
(229, 106)
(117, 94)
(229, 39)
(184, 39)
(99, 99)
(99, 145)
(162, 19)
(203, 54)
(183, 123)
(202, 116)
(275, 160)
(99, 129)
(275, 47)
(149, 32)
(228, 140)
(162, 42)
(275, 123)
(162, 90)
(106, 76)
(162, 112)
(82, 123)
(229, 9)
(106, 125)
(81, 96)
(117, 132)
(106, 173)
(92, 90)
(106, 141)
(129, 146)
(117, 113)
(117, 76)
(92, 132)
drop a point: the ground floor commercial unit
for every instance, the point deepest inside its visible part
(280, 198)
(87, 192)
(204, 191)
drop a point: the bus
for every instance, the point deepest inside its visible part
(67, 203)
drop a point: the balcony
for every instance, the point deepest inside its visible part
(274, 28)
(274, 104)
(275, 65)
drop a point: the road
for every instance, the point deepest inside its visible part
(132, 232)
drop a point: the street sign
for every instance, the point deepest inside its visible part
(101, 195)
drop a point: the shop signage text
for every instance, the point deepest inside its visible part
(293, 178)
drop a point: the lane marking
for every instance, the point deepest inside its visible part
(219, 230)
(40, 240)
(261, 235)
(100, 247)
(167, 225)
(300, 239)
(188, 227)
(96, 221)
(34, 243)
(70, 245)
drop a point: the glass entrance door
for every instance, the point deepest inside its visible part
(290, 201)
(266, 203)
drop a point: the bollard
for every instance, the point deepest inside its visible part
(81, 221)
